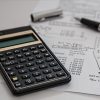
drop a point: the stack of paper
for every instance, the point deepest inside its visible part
(77, 47)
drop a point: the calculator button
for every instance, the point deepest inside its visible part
(50, 76)
(11, 74)
(32, 69)
(49, 59)
(57, 69)
(24, 49)
(1, 54)
(19, 66)
(22, 60)
(38, 56)
(52, 64)
(31, 58)
(8, 69)
(3, 59)
(16, 51)
(32, 48)
(29, 81)
(43, 50)
(11, 58)
(42, 66)
(13, 62)
(39, 62)
(39, 78)
(40, 46)
(25, 76)
(29, 64)
(36, 74)
(19, 56)
(61, 74)
(46, 55)
(15, 78)
(22, 71)
(27, 54)
(9, 53)
(47, 71)
(36, 52)
(17, 84)
(6, 63)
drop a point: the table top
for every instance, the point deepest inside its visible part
(15, 14)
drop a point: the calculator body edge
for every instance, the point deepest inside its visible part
(39, 86)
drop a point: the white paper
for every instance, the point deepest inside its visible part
(44, 5)
(76, 46)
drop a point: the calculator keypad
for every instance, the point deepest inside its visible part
(30, 65)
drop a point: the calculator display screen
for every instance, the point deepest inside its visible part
(17, 40)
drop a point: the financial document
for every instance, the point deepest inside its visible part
(76, 46)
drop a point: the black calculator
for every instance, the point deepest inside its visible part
(26, 62)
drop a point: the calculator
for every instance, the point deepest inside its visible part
(26, 62)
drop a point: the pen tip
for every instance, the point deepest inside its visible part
(77, 18)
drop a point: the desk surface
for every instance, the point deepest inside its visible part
(17, 13)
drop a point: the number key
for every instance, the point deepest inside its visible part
(3, 59)
(22, 71)
(1, 55)
(29, 81)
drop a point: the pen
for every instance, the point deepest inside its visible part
(90, 23)
(42, 15)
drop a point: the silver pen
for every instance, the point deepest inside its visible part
(38, 16)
